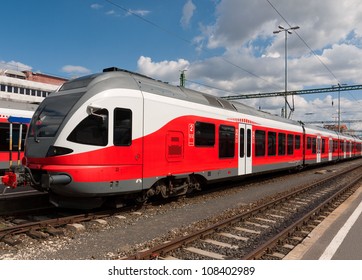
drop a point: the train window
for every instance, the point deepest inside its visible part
(323, 146)
(93, 130)
(22, 90)
(226, 141)
(248, 143)
(5, 136)
(10, 89)
(341, 146)
(122, 133)
(242, 142)
(309, 143)
(290, 147)
(314, 145)
(272, 143)
(16, 89)
(281, 144)
(297, 142)
(2, 87)
(259, 143)
(204, 134)
(335, 145)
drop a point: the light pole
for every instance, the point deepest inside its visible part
(286, 31)
(339, 105)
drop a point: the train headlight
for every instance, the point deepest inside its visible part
(58, 151)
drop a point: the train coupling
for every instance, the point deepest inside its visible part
(10, 179)
(14, 177)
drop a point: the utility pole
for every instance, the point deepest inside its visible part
(182, 78)
(339, 105)
(286, 32)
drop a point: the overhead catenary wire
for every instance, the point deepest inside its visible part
(174, 34)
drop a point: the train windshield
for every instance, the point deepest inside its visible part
(51, 113)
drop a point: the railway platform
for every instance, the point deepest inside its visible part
(338, 237)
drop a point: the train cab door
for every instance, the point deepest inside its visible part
(245, 149)
(128, 139)
(319, 149)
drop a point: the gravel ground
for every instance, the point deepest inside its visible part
(156, 223)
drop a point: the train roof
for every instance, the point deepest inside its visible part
(116, 77)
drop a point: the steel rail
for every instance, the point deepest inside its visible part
(258, 252)
(162, 249)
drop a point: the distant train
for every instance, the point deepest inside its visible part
(121, 134)
(13, 128)
(20, 94)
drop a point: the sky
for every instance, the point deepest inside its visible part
(227, 47)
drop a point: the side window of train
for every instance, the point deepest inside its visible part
(290, 147)
(226, 141)
(93, 130)
(5, 136)
(242, 142)
(259, 143)
(272, 143)
(309, 143)
(204, 134)
(122, 128)
(323, 146)
(297, 142)
(281, 144)
(314, 145)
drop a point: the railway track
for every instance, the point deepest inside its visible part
(24, 201)
(268, 231)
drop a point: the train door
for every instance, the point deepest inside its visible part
(319, 145)
(127, 138)
(330, 149)
(245, 149)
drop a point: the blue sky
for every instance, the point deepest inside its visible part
(225, 44)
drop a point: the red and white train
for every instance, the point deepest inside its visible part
(13, 123)
(119, 133)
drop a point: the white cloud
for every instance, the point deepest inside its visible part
(141, 13)
(187, 13)
(96, 6)
(75, 70)
(167, 71)
(14, 65)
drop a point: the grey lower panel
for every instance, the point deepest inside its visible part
(94, 189)
(276, 166)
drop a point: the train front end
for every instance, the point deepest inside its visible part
(79, 146)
